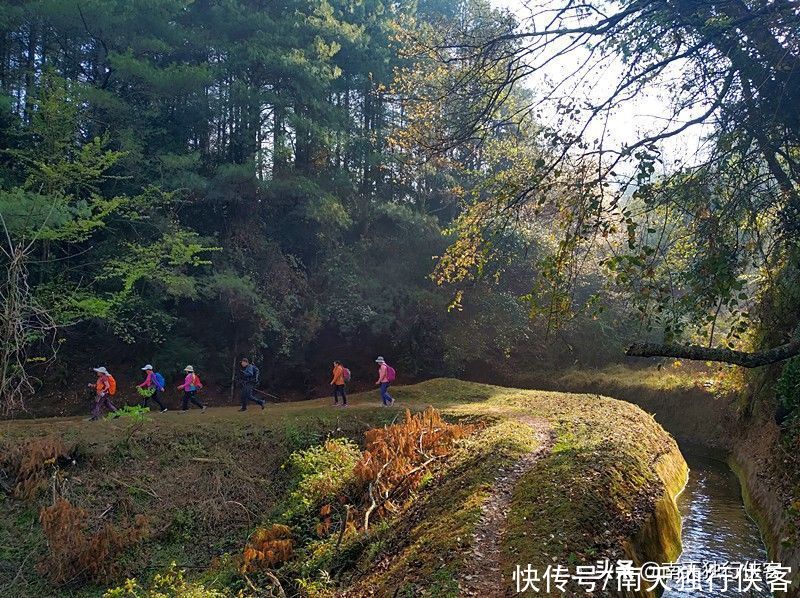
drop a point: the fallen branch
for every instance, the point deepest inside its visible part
(344, 519)
(696, 352)
(276, 584)
(374, 502)
(134, 487)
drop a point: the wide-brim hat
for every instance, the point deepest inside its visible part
(188, 368)
(101, 370)
(147, 367)
(380, 360)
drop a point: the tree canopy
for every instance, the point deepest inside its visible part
(303, 180)
(704, 247)
(192, 182)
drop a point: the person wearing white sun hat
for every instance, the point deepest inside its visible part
(386, 376)
(191, 384)
(152, 387)
(104, 387)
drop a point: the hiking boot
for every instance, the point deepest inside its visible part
(183, 412)
(243, 409)
(164, 410)
(203, 410)
(263, 404)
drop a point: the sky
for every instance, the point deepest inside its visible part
(645, 114)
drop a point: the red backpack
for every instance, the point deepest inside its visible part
(390, 373)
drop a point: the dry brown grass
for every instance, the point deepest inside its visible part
(74, 552)
(27, 463)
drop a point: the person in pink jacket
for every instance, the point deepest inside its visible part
(191, 384)
(152, 383)
(383, 382)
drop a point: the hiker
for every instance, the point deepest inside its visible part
(386, 376)
(250, 379)
(341, 375)
(103, 389)
(191, 384)
(152, 386)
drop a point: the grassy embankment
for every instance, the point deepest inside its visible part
(691, 401)
(206, 481)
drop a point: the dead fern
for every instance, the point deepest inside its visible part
(397, 458)
(74, 552)
(27, 465)
(268, 547)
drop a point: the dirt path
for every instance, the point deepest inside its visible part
(484, 576)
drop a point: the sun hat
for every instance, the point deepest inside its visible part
(380, 360)
(147, 367)
(101, 370)
(188, 368)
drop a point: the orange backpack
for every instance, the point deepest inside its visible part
(112, 385)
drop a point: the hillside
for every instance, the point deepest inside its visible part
(531, 477)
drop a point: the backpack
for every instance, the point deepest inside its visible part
(112, 385)
(257, 377)
(390, 373)
(161, 384)
(346, 375)
(196, 384)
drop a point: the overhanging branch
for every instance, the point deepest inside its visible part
(696, 352)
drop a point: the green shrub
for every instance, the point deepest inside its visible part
(171, 583)
(320, 474)
(136, 412)
(145, 392)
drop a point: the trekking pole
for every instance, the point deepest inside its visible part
(266, 394)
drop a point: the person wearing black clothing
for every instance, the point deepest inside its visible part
(249, 381)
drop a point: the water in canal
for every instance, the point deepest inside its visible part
(716, 526)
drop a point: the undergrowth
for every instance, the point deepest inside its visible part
(75, 552)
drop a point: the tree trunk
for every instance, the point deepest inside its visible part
(696, 352)
(278, 141)
(30, 74)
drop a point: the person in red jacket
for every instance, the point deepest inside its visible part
(338, 382)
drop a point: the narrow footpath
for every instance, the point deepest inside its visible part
(484, 576)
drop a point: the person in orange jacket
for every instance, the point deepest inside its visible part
(103, 390)
(338, 383)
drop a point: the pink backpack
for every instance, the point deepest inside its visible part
(390, 373)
